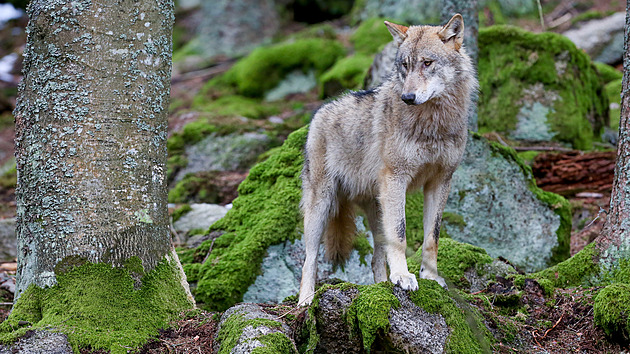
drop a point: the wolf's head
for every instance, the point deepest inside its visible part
(430, 59)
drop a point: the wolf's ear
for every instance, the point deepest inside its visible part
(399, 32)
(453, 31)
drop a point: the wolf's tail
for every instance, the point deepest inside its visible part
(340, 234)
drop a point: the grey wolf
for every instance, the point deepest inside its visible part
(368, 148)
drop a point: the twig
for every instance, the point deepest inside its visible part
(540, 14)
(6, 304)
(209, 251)
(541, 148)
(554, 326)
(536, 340)
(601, 210)
(478, 292)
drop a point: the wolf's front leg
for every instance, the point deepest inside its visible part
(392, 200)
(435, 196)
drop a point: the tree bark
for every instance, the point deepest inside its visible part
(91, 123)
(468, 10)
(614, 240)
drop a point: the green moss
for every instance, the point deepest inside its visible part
(347, 73)
(275, 343)
(415, 226)
(265, 213)
(371, 36)
(528, 156)
(195, 187)
(9, 178)
(265, 67)
(467, 333)
(363, 247)
(588, 15)
(613, 92)
(454, 259)
(98, 307)
(236, 105)
(232, 328)
(180, 211)
(611, 310)
(320, 30)
(607, 73)
(369, 312)
(575, 271)
(512, 60)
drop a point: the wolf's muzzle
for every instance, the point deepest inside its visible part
(409, 98)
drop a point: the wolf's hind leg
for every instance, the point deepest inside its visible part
(379, 260)
(392, 200)
(316, 217)
(435, 196)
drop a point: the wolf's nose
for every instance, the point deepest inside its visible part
(408, 98)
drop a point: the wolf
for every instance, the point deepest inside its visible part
(368, 148)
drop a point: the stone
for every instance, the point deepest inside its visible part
(601, 38)
(281, 270)
(405, 11)
(234, 27)
(41, 342)
(252, 319)
(200, 217)
(294, 82)
(8, 240)
(231, 152)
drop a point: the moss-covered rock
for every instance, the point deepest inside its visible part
(611, 310)
(265, 213)
(370, 37)
(613, 92)
(100, 307)
(539, 87)
(347, 73)
(265, 67)
(608, 73)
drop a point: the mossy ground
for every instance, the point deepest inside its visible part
(613, 91)
(371, 36)
(511, 60)
(98, 307)
(232, 328)
(265, 213)
(347, 74)
(612, 310)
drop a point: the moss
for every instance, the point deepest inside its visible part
(512, 60)
(197, 188)
(608, 73)
(371, 36)
(467, 333)
(363, 247)
(232, 328)
(613, 91)
(611, 309)
(369, 312)
(577, 270)
(415, 226)
(588, 15)
(99, 307)
(557, 203)
(528, 156)
(265, 213)
(9, 178)
(265, 67)
(180, 211)
(275, 343)
(320, 30)
(454, 259)
(347, 73)
(236, 105)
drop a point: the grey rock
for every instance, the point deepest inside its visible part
(202, 216)
(405, 11)
(40, 342)
(250, 337)
(233, 27)
(281, 270)
(224, 153)
(412, 329)
(382, 66)
(7, 282)
(602, 39)
(294, 82)
(8, 240)
(501, 214)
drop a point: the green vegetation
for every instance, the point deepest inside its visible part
(180, 211)
(235, 105)
(265, 67)
(197, 188)
(369, 312)
(232, 329)
(99, 307)
(611, 310)
(454, 259)
(9, 178)
(264, 214)
(512, 61)
(370, 37)
(607, 72)
(347, 73)
(613, 92)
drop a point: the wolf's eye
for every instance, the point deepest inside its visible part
(428, 63)
(404, 64)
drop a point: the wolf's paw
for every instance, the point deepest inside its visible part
(437, 278)
(306, 299)
(406, 281)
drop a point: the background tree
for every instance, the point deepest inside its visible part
(469, 11)
(94, 246)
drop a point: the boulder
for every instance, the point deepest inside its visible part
(414, 12)
(602, 39)
(42, 342)
(245, 327)
(200, 217)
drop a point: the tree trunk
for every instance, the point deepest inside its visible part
(91, 122)
(614, 240)
(468, 10)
